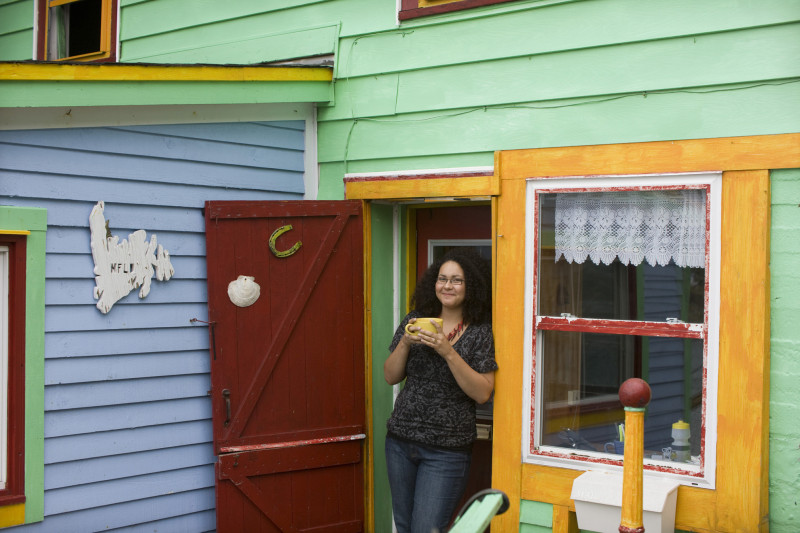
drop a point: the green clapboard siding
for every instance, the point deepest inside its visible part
(738, 110)
(16, 16)
(242, 31)
(16, 46)
(16, 30)
(535, 28)
(701, 61)
(784, 351)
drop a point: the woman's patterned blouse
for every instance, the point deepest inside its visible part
(432, 409)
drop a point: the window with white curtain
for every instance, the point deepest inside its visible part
(622, 281)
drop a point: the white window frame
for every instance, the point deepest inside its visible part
(532, 450)
(433, 243)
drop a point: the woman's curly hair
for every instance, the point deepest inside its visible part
(477, 283)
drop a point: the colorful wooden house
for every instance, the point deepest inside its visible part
(461, 122)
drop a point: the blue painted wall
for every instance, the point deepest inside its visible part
(127, 416)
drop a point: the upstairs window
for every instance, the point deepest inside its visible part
(419, 8)
(77, 30)
(623, 284)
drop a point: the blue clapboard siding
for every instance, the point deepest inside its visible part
(662, 298)
(127, 413)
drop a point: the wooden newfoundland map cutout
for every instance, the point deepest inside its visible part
(120, 267)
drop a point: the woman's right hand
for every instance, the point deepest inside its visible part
(408, 336)
(394, 368)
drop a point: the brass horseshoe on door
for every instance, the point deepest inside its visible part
(277, 233)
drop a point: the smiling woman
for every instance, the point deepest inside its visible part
(448, 371)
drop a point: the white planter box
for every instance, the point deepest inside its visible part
(598, 502)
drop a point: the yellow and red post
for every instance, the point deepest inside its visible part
(634, 395)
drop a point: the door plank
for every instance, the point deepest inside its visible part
(273, 461)
(254, 391)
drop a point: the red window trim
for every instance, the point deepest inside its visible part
(15, 481)
(409, 9)
(621, 327)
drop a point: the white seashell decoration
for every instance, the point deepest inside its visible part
(244, 291)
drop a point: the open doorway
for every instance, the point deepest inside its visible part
(439, 229)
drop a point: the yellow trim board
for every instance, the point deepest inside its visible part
(125, 72)
(14, 232)
(695, 155)
(369, 456)
(12, 515)
(427, 187)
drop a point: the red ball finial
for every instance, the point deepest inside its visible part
(634, 392)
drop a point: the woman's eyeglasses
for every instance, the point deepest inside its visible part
(455, 282)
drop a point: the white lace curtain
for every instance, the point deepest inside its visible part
(634, 226)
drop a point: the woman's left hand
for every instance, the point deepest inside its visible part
(438, 341)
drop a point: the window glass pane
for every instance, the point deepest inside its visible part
(581, 374)
(620, 291)
(75, 28)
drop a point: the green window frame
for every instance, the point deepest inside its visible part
(25, 229)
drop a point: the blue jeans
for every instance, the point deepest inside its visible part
(426, 484)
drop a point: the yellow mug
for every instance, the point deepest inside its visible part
(424, 323)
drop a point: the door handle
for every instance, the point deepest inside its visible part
(227, 395)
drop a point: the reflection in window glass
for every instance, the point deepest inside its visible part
(581, 375)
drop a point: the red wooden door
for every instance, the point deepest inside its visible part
(287, 372)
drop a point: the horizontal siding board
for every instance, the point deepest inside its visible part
(758, 110)
(128, 167)
(76, 240)
(707, 60)
(114, 142)
(122, 317)
(79, 291)
(16, 46)
(73, 343)
(81, 267)
(196, 522)
(172, 15)
(16, 17)
(122, 192)
(127, 489)
(134, 512)
(542, 29)
(286, 134)
(129, 366)
(129, 465)
(122, 392)
(130, 416)
(76, 447)
(261, 48)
